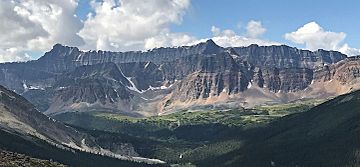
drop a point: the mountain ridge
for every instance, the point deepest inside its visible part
(163, 79)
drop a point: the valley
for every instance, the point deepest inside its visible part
(184, 137)
(198, 140)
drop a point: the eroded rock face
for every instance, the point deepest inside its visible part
(103, 84)
(143, 74)
(211, 75)
(287, 79)
(346, 71)
(121, 81)
(91, 87)
(203, 85)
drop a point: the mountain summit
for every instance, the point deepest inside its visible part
(210, 47)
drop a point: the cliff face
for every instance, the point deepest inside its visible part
(287, 57)
(125, 81)
(101, 83)
(286, 79)
(210, 75)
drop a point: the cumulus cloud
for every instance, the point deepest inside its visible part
(132, 24)
(255, 29)
(314, 37)
(35, 25)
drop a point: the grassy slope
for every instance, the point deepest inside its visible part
(291, 108)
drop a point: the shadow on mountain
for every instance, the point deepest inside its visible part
(327, 135)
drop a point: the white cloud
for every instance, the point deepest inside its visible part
(314, 37)
(132, 24)
(229, 38)
(168, 40)
(216, 31)
(349, 51)
(255, 29)
(36, 25)
(28, 26)
(12, 55)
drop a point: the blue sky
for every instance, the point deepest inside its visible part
(29, 28)
(278, 16)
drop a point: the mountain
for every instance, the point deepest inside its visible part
(162, 80)
(326, 135)
(26, 130)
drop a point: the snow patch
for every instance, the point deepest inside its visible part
(147, 64)
(25, 86)
(51, 119)
(144, 98)
(234, 56)
(249, 85)
(61, 87)
(133, 87)
(36, 88)
(160, 87)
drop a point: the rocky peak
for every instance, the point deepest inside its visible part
(59, 50)
(59, 59)
(209, 47)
